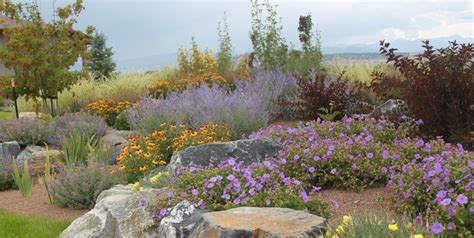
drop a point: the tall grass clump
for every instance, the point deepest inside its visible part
(22, 178)
(122, 87)
(252, 105)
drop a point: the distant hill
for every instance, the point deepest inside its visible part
(355, 51)
(403, 45)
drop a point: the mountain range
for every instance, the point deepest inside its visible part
(366, 51)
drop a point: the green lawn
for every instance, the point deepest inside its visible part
(24, 226)
(6, 115)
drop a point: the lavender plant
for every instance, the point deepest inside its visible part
(26, 131)
(6, 177)
(252, 105)
(86, 124)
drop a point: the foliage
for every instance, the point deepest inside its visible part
(31, 41)
(80, 186)
(100, 63)
(26, 131)
(159, 180)
(437, 181)
(6, 178)
(318, 92)
(108, 109)
(121, 121)
(252, 105)
(145, 153)
(22, 178)
(46, 177)
(123, 87)
(85, 124)
(234, 184)
(437, 85)
(224, 54)
(328, 114)
(371, 225)
(76, 148)
(207, 133)
(309, 59)
(354, 153)
(269, 47)
(26, 226)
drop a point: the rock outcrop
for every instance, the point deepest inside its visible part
(118, 213)
(181, 221)
(248, 150)
(115, 141)
(9, 149)
(259, 222)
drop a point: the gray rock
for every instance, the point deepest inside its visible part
(117, 213)
(9, 149)
(115, 141)
(30, 115)
(181, 221)
(259, 222)
(27, 154)
(248, 150)
(393, 108)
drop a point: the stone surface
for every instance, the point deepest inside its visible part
(117, 213)
(11, 148)
(181, 221)
(29, 115)
(116, 140)
(39, 158)
(259, 222)
(391, 108)
(27, 154)
(248, 150)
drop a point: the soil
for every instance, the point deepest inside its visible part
(36, 205)
(372, 200)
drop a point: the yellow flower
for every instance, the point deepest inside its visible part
(346, 219)
(154, 179)
(393, 227)
(417, 236)
(143, 168)
(136, 187)
(340, 229)
(410, 226)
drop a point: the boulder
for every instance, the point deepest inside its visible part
(39, 158)
(9, 149)
(392, 108)
(27, 154)
(30, 115)
(259, 222)
(115, 141)
(181, 221)
(117, 213)
(248, 150)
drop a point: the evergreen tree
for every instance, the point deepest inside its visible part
(100, 63)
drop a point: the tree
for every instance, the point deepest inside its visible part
(42, 53)
(224, 55)
(100, 63)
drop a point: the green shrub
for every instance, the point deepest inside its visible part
(121, 121)
(76, 148)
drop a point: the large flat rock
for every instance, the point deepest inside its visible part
(255, 222)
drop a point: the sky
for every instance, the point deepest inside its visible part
(141, 28)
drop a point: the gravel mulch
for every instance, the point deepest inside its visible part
(36, 205)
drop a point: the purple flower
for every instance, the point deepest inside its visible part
(441, 194)
(225, 196)
(296, 157)
(315, 189)
(194, 192)
(296, 182)
(333, 171)
(461, 199)
(370, 155)
(450, 226)
(304, 196)
(445, 202)
(142, 202)
(437, 228)
(210, 185)
(311, 169)
(316, 158)
(231, 177)
(163, 213)
(236, 201)
(384, 170)
(335, 204)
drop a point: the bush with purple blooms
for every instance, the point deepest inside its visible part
(26, 131)
(433, 178)
(251, 106)
(6, 178)
(353, 153)
(438, 181)
(233, 184)
(80, 186)
(84, 123)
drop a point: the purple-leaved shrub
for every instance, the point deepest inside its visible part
(84, 123)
